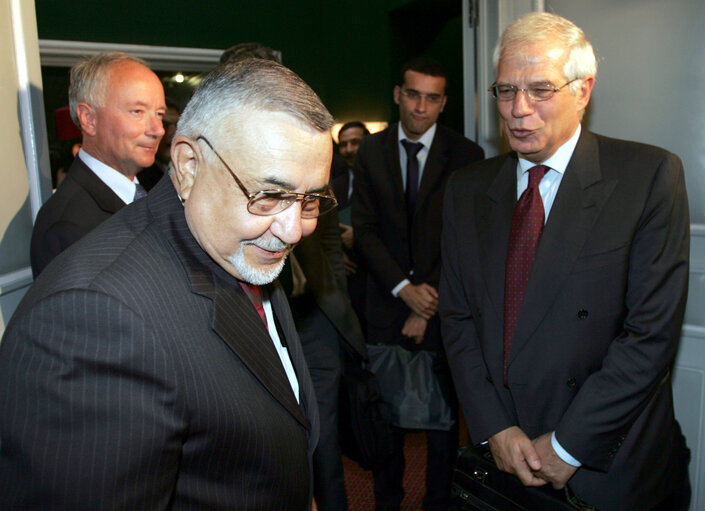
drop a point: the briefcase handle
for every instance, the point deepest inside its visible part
(570, 496)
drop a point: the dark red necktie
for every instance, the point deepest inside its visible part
(254, 293)
(527, 225)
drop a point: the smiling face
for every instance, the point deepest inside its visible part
(536, 129)
(349, 142)
(275, 151)
(124, 132)
(418, 115)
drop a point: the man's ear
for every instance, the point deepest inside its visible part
(87, 118)
(443, 102)
(186, 158)
(584, 92)
(397, 94)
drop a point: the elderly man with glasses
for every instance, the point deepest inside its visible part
(400, 176)
(565, 271)
(156, 364)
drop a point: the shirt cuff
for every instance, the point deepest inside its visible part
(399, 287)
(562, 453)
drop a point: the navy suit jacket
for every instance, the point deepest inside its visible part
(600, 322)
(381, 226)
(136, 374)
(80, 203)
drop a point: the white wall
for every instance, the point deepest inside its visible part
(23, 145)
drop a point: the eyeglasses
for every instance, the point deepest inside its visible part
(271, 202)
(507, 91)
(415, 95)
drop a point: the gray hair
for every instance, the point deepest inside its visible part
(88, 79)
(251, 84)
(250, 50)
(536, 26)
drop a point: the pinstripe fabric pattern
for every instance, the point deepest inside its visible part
(137, 375)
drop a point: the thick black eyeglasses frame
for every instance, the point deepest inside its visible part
(528, 91)
(285, 198)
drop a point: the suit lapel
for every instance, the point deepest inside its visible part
(391, 153)
(102, 194)
(435, 164)
(579, 201)
(235, 320)
(493, 217)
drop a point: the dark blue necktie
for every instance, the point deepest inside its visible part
(139, 192)
(412, 176)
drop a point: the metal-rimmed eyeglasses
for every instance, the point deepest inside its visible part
(271, 202)
(415, 95)
(539, 92)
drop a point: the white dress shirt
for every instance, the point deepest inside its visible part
(426, 140)
(118, 182)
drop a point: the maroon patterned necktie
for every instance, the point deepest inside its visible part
(527, 225)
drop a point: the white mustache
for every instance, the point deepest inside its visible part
(271, 244)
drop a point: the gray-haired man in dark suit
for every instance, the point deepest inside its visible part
(154, 365)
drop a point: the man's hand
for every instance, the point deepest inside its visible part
(346, 235)
(350, 265)
(553, 469)
(422, 299)
(414, 327)
(514, 453)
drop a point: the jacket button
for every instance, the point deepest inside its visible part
(582, 314)
(572, 383)
(489, 378)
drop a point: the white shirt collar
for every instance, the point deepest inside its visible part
(119, 183)
(426, 139)
(559, 160)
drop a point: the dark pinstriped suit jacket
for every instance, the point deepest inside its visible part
(136, 374)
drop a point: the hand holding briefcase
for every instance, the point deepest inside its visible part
(479, 485)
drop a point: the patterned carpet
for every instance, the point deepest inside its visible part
(359, 485)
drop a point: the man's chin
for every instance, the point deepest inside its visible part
(259, 275)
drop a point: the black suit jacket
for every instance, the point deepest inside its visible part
(80, 203)
(136, 374)
(601, 318)
(148, 177)
(380, 222)
(320, 256)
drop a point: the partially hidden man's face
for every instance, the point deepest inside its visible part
(124, 132)
(171, 118)
(536, 129)
(349, 142)
(275, 151)
(418, 115)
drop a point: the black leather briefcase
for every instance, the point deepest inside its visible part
(479, 485)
